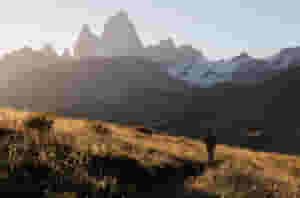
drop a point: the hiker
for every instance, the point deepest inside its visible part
(210, 141)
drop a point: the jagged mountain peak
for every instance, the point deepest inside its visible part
(120, 19)
(169, 43)
(122, 14)
(86, 28)
(66, 53)
(120, 37)
(290, 50)
(86, 43)
(243, 56)
(48, 50)
(86, 32)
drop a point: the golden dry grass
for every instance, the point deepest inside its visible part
(158, 148)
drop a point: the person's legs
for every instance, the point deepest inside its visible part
(208, 149)
(212, 158)
(211, 152)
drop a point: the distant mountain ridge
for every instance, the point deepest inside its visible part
(239, 69)
(160, 86)
(136, 89)
(186, 63)
(86, 82)
(120, 38)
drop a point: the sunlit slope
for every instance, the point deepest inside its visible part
(257, 172)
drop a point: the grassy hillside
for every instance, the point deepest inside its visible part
(124, 88)
(236, 173)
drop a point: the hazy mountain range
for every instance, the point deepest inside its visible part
(239, 69)
(120, 38)
(137, 89)
(154, 88)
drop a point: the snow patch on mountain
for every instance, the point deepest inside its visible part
(242, 68)
(205, 73)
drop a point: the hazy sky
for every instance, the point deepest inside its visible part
(218, 28)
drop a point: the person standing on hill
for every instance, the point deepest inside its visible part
(211, 141)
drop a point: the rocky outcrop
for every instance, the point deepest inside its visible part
(167, 44)
(120, 37)
(166, 50)
(187, 52)
(87, 43)
(48, 50)
(66, 54)
(286, 57)
(26, 58)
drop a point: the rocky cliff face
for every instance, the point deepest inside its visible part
(49, 51)
(167, 51)
(86, 44)
(66, 53)
(120, 37)
(27, 57)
